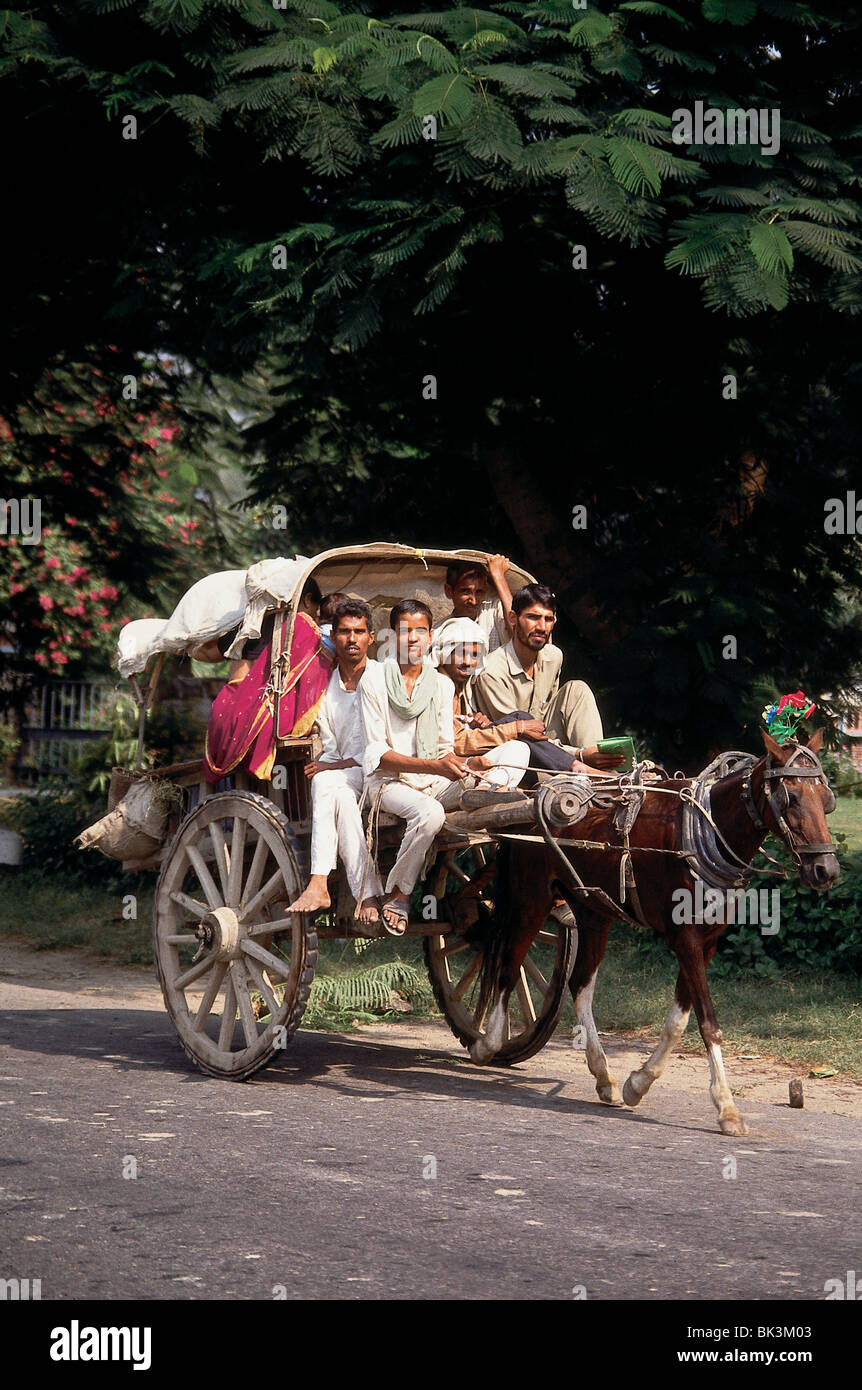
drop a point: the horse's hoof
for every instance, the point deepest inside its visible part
(630, 1095)
(609, 1094)
(480, 1052)
(733, 1125)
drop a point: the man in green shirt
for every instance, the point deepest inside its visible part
(525, 675)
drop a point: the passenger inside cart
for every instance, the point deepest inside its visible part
(241, 728)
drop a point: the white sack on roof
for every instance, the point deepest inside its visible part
(140, 636)
(267, 583)
(211, 607)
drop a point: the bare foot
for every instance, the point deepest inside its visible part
(314, 899)
(369, 911)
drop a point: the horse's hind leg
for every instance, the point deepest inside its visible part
(640, 1081)
(592, 940)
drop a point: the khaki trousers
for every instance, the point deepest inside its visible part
(573, 717)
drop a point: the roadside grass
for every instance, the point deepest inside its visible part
(50, 915)
(803, 1017)
(847, 817)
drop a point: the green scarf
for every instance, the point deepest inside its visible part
(423, 707)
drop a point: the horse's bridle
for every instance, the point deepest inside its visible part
(778, 799)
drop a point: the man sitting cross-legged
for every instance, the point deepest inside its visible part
(409, 760)
(460, 650)
(523, 679)
(336, 778)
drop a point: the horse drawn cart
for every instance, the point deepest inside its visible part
(235, 971)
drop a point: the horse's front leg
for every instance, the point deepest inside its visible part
(592, 940)
(639, 1081)
(693, 957)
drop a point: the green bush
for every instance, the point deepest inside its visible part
(48, 822)
(174, 733)
(819, 931)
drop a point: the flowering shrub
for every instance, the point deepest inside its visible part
(119, 538)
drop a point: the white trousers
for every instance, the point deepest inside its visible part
(424, 813)
(336, 829)
(513, 752)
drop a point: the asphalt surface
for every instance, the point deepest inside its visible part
(317, 1178)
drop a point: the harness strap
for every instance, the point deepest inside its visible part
(571, 881)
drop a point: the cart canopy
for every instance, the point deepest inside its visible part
(382, 573)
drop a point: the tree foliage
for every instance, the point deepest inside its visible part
(346, 203)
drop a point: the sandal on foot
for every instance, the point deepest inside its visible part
(563, 914)
(402, 910)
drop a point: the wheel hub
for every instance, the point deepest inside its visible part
(219, 932)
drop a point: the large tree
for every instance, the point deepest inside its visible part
(687, 377)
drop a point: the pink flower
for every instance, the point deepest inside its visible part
(52, 562)
(46, 602)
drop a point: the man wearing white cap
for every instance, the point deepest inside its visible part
(459, 650)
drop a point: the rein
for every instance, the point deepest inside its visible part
(705, 860)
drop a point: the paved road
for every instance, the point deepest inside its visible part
(316, 1176)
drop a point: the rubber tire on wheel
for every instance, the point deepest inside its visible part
(442, 951)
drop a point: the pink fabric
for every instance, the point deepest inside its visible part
(241, 732)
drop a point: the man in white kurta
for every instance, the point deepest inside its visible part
(336, 777)
(415, 783)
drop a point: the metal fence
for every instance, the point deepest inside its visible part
(60, 718)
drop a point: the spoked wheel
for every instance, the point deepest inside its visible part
(235, 972)
(455, 967)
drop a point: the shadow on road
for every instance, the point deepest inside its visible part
(353, 1067)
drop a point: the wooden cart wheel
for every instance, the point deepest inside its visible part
(455, 963)
(235, 972)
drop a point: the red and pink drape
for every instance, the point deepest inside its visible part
(241, 730)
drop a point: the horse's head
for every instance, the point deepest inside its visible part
(797, 800)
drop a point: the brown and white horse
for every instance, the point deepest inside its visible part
(784, 792)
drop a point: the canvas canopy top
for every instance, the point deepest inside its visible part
(382, 573)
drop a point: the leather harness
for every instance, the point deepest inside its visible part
(717, 868)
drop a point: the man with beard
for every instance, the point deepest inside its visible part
(461, 649)
(524, 677)
(336, 778)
